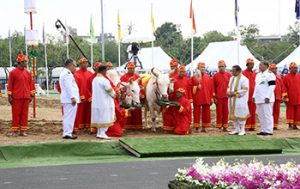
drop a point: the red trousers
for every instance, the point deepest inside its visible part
(20, 109)
(222, 113)
(276, 112)
(134, 119)
(83, 116)
(204, 114)
(293, 114)
(115, 130)
(251, 121)
(168, 121)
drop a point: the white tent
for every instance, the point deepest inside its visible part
(160, 59)
(293, 57)
(227, 51)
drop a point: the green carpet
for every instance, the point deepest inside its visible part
(196, 146)
(60, 153)
(75, 152)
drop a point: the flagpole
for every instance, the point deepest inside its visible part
(279, 21)
(46, 60)
(238, 46)
(192, 51)
(26, 48)
(119, 53)
(237, 31)
(46, 65)
(92, 54)
(10, 46)
(102, 32)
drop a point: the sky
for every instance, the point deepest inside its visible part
(272, 16)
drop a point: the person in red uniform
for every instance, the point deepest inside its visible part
(250, 74)
(173, 68)
(134, 120)
(220, 83)
(93, 130)
(117, 129)
(182, 113)
(20, 93)
(167, 114)
(202, 92)
(83, 115)
(278, 96)
(181, 81)
(291, 96)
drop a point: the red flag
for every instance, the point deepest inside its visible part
(194, 23)
(192, 16)
(191, 10)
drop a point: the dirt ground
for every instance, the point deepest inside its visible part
(47, 126)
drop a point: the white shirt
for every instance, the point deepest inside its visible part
(238, 104)
(262, 88)
(103, 106)
(69, 88)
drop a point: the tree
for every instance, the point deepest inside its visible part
(249, 34)
(169, 37)
(294, 34)
(215, 36)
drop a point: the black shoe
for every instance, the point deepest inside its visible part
(69, 137)
(261, 133)
(269, 133)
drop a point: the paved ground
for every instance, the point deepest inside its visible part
(148, 174)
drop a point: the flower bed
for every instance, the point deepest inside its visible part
(222, 175)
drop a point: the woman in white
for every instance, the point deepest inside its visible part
(103, 107)
(238, 98)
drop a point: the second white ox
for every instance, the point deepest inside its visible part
(131, 90)
(157, 89)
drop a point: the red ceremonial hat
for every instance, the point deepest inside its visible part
(108, 64)
(97, 65)
(221, 62)
(293, 65)
(250, 61)
(130, 65)
(273, 65)
(82, 60)
(174, 62)
(181, 68)
(21, 57)
(201, 64)
(181, 90)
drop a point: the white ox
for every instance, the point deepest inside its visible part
(157, 89)
(131, 90)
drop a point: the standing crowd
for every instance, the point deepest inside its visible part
(90, 100)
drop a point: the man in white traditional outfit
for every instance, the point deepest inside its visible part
(238, 91)
(103, 106)
(69, 98)
(263, 97)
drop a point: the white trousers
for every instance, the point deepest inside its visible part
(239, 126)
(69, 118)
(265, 116)
(101, 131)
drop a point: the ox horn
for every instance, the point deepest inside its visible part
(139, 79)
(152, 71)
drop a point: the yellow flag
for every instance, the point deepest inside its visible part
(119, 27)
(152, 21)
